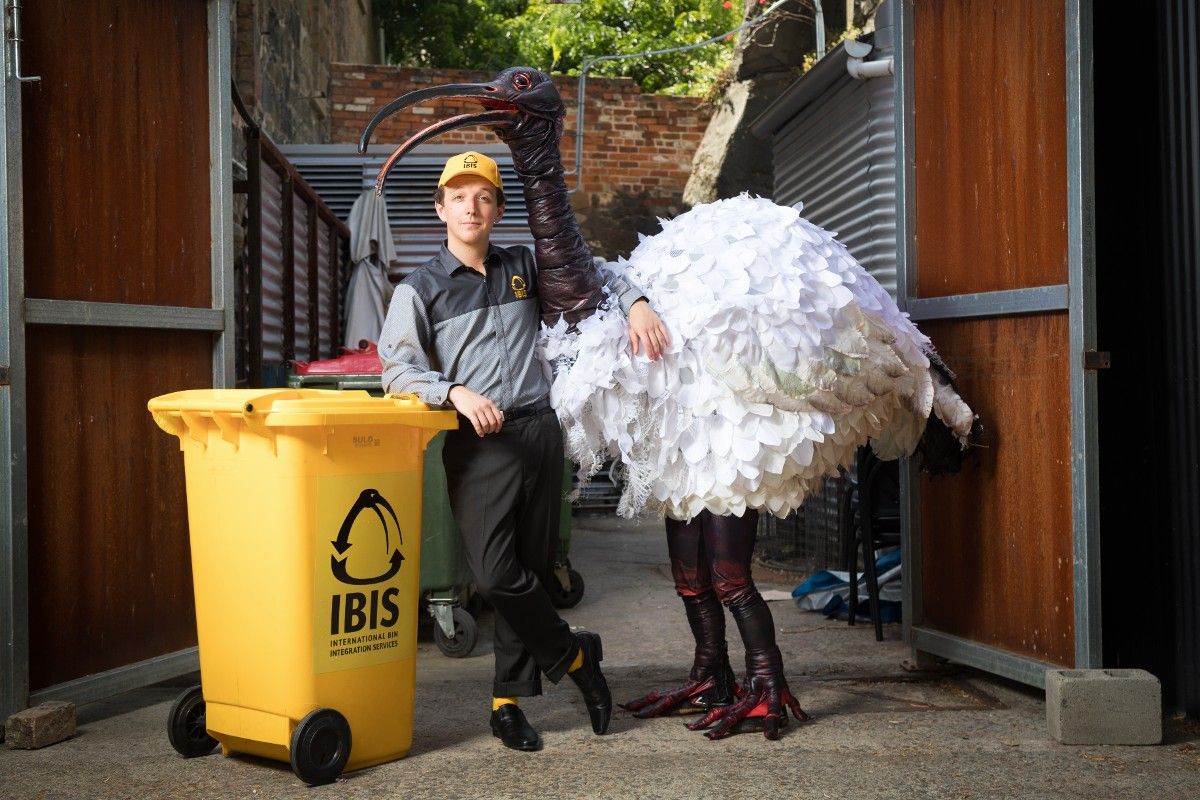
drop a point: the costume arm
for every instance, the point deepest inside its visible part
(626, 293)
(404, 348)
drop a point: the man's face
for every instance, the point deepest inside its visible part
(469, 209)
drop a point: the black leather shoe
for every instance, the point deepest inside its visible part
(510, 727)
(591, 682)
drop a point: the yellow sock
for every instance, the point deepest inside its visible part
(503, 701)
(578, 662)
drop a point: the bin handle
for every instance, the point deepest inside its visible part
(195, 427)
(171, 423)
(229, 429)
(429, 423)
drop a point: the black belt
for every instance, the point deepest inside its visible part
(513, 415)
(527, 411)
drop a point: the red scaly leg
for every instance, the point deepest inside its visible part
(766, 696)
(711, 682)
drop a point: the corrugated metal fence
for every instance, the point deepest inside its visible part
(292, 275)
(835, 152)
(837, 157)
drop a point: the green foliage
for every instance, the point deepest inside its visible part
(462, 34)
(557, 37)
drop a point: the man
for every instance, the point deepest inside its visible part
(462, 330)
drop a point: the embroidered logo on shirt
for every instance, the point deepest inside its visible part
(518, 287)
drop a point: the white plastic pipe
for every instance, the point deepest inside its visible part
(819, 24)
(870, 69)
(856, 51)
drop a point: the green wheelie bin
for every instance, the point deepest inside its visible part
(564, 584)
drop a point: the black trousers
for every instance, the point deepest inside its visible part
(505, 493)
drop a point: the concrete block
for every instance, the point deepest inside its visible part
(1103, 706)
(40, 726)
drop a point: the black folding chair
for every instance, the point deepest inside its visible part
(869, 511)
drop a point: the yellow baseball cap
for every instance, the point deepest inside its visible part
(471, 163)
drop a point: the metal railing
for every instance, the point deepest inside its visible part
(319, 313)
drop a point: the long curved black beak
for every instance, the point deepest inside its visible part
(460, 121)
(472, 91)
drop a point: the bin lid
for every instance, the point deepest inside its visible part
(275, 408)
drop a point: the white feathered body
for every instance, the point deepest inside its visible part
(786, 356)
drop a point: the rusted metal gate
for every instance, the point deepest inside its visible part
(994, 176)
(117, 281)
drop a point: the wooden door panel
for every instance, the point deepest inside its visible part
(117, 209)
(109, 569)
(996, 540)
(115, 139)
(991, 188)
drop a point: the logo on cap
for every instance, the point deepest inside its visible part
(471, 163)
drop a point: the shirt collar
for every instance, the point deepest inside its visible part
(450, 263)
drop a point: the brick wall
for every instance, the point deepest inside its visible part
(637, 148)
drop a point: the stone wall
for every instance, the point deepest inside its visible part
(282, 52)
(637, 152)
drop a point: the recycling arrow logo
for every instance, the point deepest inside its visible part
(368, 499)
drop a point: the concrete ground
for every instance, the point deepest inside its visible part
(877, 731)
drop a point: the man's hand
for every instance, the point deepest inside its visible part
(482, 412)
(647, 331)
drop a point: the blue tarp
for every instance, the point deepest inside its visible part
(828, 591)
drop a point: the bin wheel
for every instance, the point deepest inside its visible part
(465, 634)
(567, 598)
(186, 725)
(320, 746)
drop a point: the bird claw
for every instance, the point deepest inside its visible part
(765, 701)
(694, 697)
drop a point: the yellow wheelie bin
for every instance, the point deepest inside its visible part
(304, 508)
(446, 585)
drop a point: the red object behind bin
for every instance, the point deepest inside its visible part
(364, 361)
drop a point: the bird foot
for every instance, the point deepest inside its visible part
(763, 705)
(693, 697)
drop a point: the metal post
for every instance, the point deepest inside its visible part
(314, 284)
(335, 289)
(1081, 265)
(254, 310)
(14, 528)
(819, 25)
(220, 149)
(906, 286)
(287, 235)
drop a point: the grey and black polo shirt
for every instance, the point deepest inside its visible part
(449, 325)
